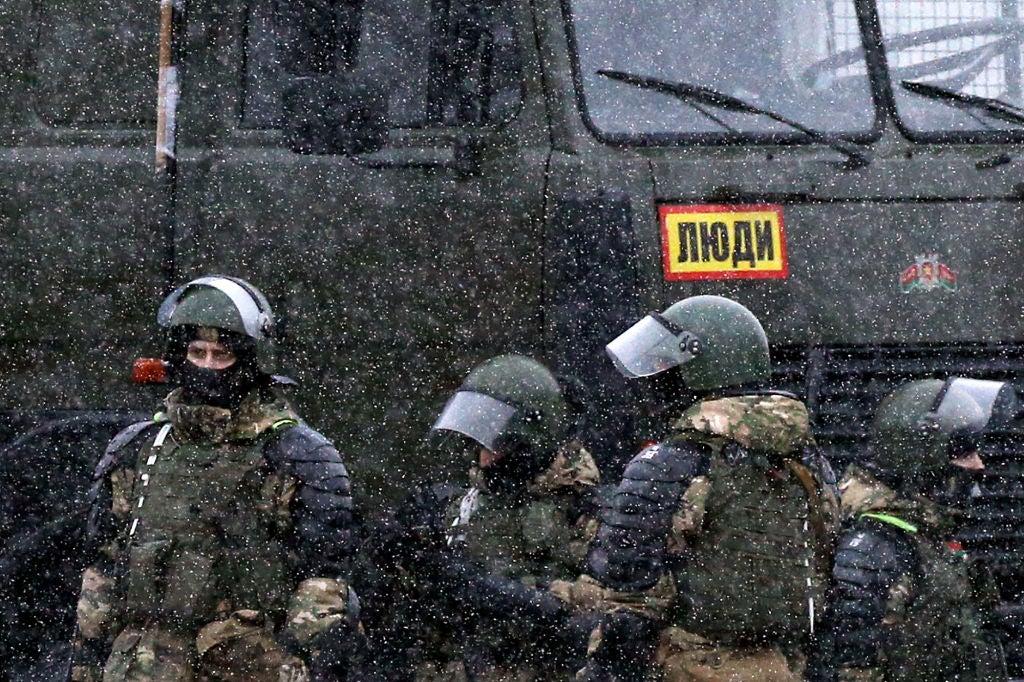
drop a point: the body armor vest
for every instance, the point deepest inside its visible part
(535, 539)
(203, 536)
(750, 573)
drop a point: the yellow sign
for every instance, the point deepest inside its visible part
(723, 242)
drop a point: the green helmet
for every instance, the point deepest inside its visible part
(924, 424)
(226, 303)
(509, 402)
(715, 342)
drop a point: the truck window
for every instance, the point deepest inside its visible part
(95, 63)
(944, 56)
(758, 51)
(444, 62)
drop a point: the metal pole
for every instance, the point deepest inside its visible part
(1012, 67)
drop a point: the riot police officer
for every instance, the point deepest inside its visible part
(223, 524)
(907, 602)
(713, 550)
(473, 599)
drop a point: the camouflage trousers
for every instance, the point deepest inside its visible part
(685, 657)
(238, 649)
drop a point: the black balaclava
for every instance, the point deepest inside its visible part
(224, 388)
(663, 395)
(956, 489)
(950, 486)
(518, 466)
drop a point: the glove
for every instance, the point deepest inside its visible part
(496, 596)
(334, 653)
(414, 531)
(624, 650)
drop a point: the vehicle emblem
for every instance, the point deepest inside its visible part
(928, 273)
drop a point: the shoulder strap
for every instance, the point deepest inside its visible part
(115, 448)
(823, 546)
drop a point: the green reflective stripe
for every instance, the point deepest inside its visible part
(160, 417)
(283, 422)
(898, 522)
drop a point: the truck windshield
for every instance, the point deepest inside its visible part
(955, 65)
(766, 53)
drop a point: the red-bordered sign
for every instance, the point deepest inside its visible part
(723, 242)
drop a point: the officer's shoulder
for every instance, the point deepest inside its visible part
(668, 461)
(126, 444)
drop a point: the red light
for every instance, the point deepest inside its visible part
(149, 371)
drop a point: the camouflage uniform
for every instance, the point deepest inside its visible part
(907, 602)
(223, 540)
(721, 534)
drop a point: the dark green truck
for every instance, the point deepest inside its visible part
(420, 184)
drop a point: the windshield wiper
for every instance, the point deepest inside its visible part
(697, 94)
(991, 107)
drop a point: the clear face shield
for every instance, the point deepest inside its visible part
(991, 402)
(478, 416)
(967, 403)
(652, 345)
(997, 400)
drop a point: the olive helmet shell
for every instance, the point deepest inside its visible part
(227, 303)
(914, 426)
(715, 341)
(509, 398)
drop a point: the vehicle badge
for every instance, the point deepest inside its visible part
(926, 274)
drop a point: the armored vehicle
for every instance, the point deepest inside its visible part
(420, 184)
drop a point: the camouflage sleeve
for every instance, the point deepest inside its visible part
(97, 615)
(587, 594)
(99, 605)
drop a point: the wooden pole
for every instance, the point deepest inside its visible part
(166, 155)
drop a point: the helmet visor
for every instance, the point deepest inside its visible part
(649, 347)
(996, 399)
(476, 415)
